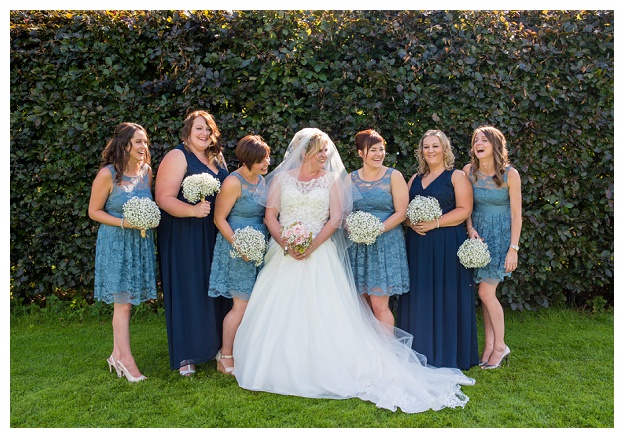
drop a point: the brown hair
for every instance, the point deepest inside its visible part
(214, 151)
(501, 155)
(367, 138)
(449, 157)
(117, 152)
(251, 149)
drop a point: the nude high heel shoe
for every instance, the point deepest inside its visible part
(221, 367)
(129, 376)
(112, 364)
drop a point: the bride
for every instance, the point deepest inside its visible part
(305, 331)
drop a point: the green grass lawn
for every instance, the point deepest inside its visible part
(561, 375)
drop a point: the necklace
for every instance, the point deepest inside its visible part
(247, 179)
(369, 182)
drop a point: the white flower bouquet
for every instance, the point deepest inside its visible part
(474, 253)
(296, 236)
(250, 243)
(363, 227)
(142, 213)
(197, 187)
(423, 209)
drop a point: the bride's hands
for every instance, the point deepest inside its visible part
(301, 256)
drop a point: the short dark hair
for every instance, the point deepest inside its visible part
(251, 149)
(367, 138)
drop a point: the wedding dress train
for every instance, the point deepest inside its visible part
(307, 333)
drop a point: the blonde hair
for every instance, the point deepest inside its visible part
(449, 157)
(315, 144)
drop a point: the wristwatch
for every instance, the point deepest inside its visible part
(516, 247)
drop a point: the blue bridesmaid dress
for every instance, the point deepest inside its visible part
(379, 268)
(185, 247)
(234, 277)
(125, 262)
(439, 310)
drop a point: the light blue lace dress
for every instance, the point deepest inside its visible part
(125, 262)
(234, 277)
(491, 217)
(380, 268)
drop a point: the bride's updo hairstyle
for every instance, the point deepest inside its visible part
(315, 144)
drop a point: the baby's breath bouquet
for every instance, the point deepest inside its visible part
(250, 243)
(474, 253)
(296, 236)
(423, 209)
(142, 213)
(197, 187)
(363, 227)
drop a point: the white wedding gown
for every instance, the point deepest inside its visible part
(307, 333)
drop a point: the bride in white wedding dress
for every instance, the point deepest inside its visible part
(306, 332)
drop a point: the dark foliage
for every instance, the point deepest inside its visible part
(546, 79)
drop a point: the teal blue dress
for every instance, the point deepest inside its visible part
(234, 277)
(379, 268)
(125, 262)
(491, 217)
(440, 308)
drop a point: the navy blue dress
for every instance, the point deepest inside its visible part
(439, 310)
(185, 246)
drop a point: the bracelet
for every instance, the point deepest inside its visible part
(438, 223)
(516, 247)
(122, 227)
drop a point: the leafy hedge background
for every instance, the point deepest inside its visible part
(546, 79)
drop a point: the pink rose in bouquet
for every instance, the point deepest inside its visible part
(296, 236)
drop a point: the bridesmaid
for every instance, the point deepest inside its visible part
(235, 208)
(440, 309)
(125, 262)
(380, 269)
(496, 219)
(186, 238)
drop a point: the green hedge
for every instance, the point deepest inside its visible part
(544, 78)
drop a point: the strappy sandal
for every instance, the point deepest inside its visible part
(188, 372)
(221, 367)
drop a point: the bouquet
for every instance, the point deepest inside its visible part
(296, 236)
(474, 253)
(363, 227)
(197, 187)
(423, 209)
(142, 213)
(250, 243)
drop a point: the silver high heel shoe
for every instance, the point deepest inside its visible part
(129, 376)
(112, 364)
(504, 357)
(224, 369)
(188, 370)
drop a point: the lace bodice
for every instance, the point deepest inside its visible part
(245, 210)
(376, 195)
(307, 202)
(129, 187)
(488, 197)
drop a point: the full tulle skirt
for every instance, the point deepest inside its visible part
(306, 332)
